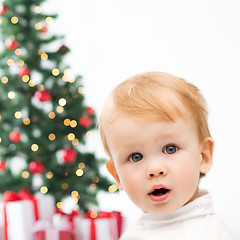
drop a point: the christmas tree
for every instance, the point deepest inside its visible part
(43, 118)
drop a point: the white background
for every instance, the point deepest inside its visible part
(111, 40)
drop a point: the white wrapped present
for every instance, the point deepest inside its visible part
(19, 217)
(45, 205)
(93, 226)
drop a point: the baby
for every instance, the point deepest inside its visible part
(154, 129)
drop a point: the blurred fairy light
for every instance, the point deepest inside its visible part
(75, 194)
(89, 134)
(93, 215)
(44, 56)
(65, 186)
(51, 136)
(81, 165)
(49, 175)
(62, 102)
(11, 95)
(79, 172)
(67, 76)
(4, 79)
(93, 186)
(31, 83)
(66, 122)
(113, 188)
(37, 9)
(95, 179)
(73, 123)
(55, 72)
(18, 115)
(25, 78)
(44, 189)
(60, 109)
(75, 141)
(18, 51)
(20, 63)
(72, 80)
(25, 174)
(49, 19)
(59, 205)
(14, 20)
(41, 87)
(38, 26)
(0, 139)
(64, 78)
(26, 121)
(71, 136)
(80, 90)
(34, 147)
(10, 62)
(51, 115)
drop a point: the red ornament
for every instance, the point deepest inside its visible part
(3, 10)
(90, 111)
(85, 121)
(64, 49)
(15, 136)
(69, 155)
(43, 96)
(2, 165)
(36, 167)
(11, 44)
(23, 71)
(44, 30)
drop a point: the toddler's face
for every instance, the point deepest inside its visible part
(157, 163)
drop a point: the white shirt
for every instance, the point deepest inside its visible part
(194, 221)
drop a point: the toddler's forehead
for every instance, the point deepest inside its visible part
(145, 118)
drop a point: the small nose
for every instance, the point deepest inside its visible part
(156, 171)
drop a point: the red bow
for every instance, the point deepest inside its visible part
(70, 216)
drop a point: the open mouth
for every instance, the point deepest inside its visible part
(160, 192)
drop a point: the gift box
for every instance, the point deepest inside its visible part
(19, 217)
(44, 230)
(19, 211)
(1, 220)
(101, 226)
(45, 206)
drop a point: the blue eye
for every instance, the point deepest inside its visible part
(136, 157)
(170, 149)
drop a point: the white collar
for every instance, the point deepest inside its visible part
(199, 207)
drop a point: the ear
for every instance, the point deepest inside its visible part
(112, 169)
(206, 155)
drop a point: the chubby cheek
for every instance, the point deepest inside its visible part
(131, 183)
(188, 179)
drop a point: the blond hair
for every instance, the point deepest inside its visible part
(156, 96)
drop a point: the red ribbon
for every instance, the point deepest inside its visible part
(69, 216)
(119, 217)
(10, 196)
(100, 215)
